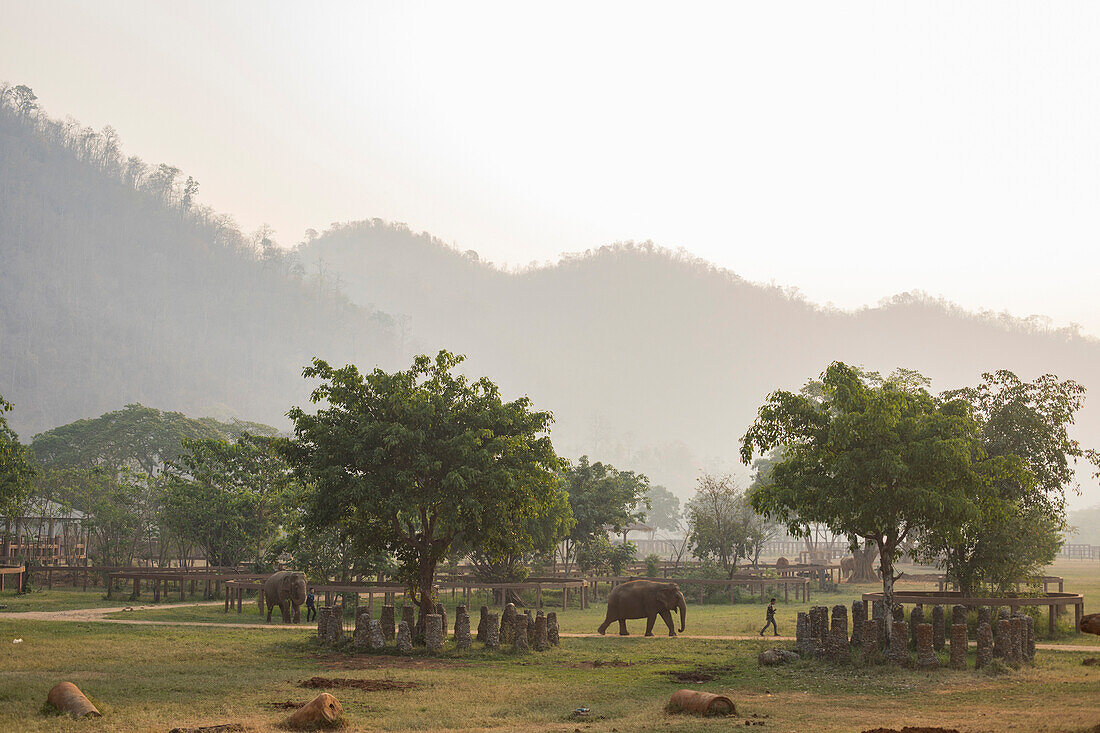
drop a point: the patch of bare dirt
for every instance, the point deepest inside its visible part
(1091, 661)
(288, 705)
(385, 661)
(698, 675)
(327, 683)
(596, 664)
(912, 729)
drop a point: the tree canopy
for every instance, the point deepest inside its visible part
(876, 460)
(601, 497)
(15, 470)
(413, 461)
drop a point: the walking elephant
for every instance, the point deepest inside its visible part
(287, 590)
(646, 599)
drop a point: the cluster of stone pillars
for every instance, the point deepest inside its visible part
(822, 634)
(522, 631)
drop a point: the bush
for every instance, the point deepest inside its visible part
(653, 566)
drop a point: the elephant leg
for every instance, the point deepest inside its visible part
(270, 608)
(297, 612)
(668, 620)
(606, 622)
(284, 607)
(649, 624)
(622, 628)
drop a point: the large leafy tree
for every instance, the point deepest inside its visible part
(664, 509)
(15, 470)
(875, 460)
(601, 497)
(136, 437)
(228, 498)
(1021, 529)
(721, 522)
(414, 461)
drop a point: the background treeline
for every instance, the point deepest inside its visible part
(117, 287)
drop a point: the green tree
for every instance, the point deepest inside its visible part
(875, 460)
(138, 437)
(721, 523)
(228, 498)
(413, 461)
(601, 498)
(15, 469)
(1020, 530)
(664, 509)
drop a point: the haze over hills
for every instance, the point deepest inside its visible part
(658, 360)
(116, 287)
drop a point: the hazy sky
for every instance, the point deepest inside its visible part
(851, 150)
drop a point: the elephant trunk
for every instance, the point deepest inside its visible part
(683, 612)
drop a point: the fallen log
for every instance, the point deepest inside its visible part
(323, 711)
(67, 697)
(700, 703)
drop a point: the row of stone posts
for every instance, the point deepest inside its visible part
(522, 631)
(1014, 641)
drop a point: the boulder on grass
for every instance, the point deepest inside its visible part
(1091, 624)
(772, 657)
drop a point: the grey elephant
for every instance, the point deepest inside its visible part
(646, 599)
(287, 590)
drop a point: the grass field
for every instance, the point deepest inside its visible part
(157, 677)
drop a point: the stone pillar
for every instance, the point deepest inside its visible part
(899, 644)
(926, 653)
(404, 637)
(985, 646)
(519, 633)
(462, 628)
(388, 622)
(837, 648)
(899, 612)
(958, 615)
(958, 645)
(1016, 640)
(322, 623)
(433, 632)
(530, 628)
(361, 640)
(375, 636)
(492, 631)
(985, 616)
(334, 628)
(938, 628)
(916, 618)
(804, 643)
(878, 617)
(552, 628)
(859, 617)
(1029, 654)
(542, 640)
(869, 643)
(508, 623)
(1001, 641)
(408, 617)
(481, 624)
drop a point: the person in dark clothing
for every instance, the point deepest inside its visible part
(311, 606)
(771, 620)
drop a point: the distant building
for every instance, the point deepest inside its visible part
(48, 534)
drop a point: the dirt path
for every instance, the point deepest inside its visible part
(99, 615)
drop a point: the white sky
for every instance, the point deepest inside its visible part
(853, 150)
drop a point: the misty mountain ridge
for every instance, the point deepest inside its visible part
(117, 287)
(657, 359)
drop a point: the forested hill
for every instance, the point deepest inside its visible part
(116, 288)
(657, 360)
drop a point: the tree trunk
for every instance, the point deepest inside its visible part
(886, 564)
(863, 570)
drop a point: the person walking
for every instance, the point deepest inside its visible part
(770, 620)
(311, 606)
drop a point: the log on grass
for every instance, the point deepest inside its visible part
(701, 703)
(67, 697)
(323, 711)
